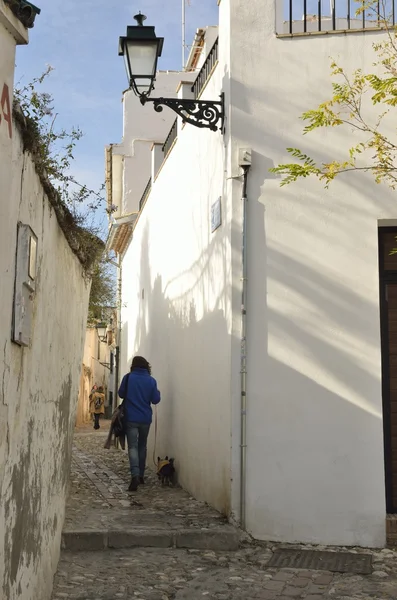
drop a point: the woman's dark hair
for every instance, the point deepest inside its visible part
(138, 362)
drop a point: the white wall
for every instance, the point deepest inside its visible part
(314, 424)
(177, 310)
(315, 441)
(39, 383)
(11, 33)
(139, 133)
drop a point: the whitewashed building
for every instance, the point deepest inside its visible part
(297, 449)
(44, 292)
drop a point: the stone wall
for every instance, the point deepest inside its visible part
(38, 384)
(43, 301)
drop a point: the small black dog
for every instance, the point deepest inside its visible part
(166, 470)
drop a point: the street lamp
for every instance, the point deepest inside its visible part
(141, 49)
(102, 329)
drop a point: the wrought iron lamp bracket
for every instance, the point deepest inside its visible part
(200, 113)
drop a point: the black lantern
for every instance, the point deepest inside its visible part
(141, 49)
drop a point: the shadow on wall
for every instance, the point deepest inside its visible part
(290, 409)
(348, 311)
(191, 361)
(313, 404)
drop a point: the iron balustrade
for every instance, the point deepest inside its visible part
(206, 70)
(197, 87)
(165, 148)
(311, 16)
(171, 137)
(146, 193)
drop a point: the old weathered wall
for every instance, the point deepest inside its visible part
(96, 355)
(38, 384)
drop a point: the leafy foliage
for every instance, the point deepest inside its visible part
(102, 290)
(54, 148)
(75, 204)
(376, 153)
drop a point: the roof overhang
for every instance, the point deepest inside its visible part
(120, 233)
(195, 51)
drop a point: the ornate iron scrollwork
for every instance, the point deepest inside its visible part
(201, 113)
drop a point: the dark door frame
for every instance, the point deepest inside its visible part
(386, 278)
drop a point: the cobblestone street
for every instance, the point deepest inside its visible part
(98, 486)
(192, 556)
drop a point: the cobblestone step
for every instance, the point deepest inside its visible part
(224, 539)
(180, 574)
(162, 544)
(102, 515)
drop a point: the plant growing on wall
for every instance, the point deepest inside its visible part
(376, 152)
(54, 147)
(75, 204)
(102, 290)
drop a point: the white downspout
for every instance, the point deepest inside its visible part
(245, 164)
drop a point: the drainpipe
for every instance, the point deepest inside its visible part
(118, 266)
(245, 164)
(119, 284)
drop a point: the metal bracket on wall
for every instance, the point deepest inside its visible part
(207, 114)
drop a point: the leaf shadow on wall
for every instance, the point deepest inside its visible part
(314, 422)
(190, 356)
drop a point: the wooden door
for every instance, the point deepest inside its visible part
(388, 315)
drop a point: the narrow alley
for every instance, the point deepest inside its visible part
(167, 271)
(161, 544)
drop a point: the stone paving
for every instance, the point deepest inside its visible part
(173, 574)
(98, 485)
(97, 493)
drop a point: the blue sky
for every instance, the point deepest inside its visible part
(79, 38)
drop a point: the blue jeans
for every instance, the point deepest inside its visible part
(137, 434)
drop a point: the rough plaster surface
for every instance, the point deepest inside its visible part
(176, 310)
(38, 384)
(315, 470)
(314, 423)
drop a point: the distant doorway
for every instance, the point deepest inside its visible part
(388, 321)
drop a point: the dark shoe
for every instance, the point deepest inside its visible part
(134, 484)
(141, 481)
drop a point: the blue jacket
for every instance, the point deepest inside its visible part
(141, 394)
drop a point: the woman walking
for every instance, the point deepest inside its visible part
(139, 391)
(97, 405)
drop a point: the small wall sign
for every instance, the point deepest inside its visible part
(216, 215)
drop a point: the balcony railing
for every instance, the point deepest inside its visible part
(322, 16)
(146, 193)
(206, 70)
(171, 137)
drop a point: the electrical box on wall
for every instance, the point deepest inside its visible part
(244, 157)
(25, 284)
